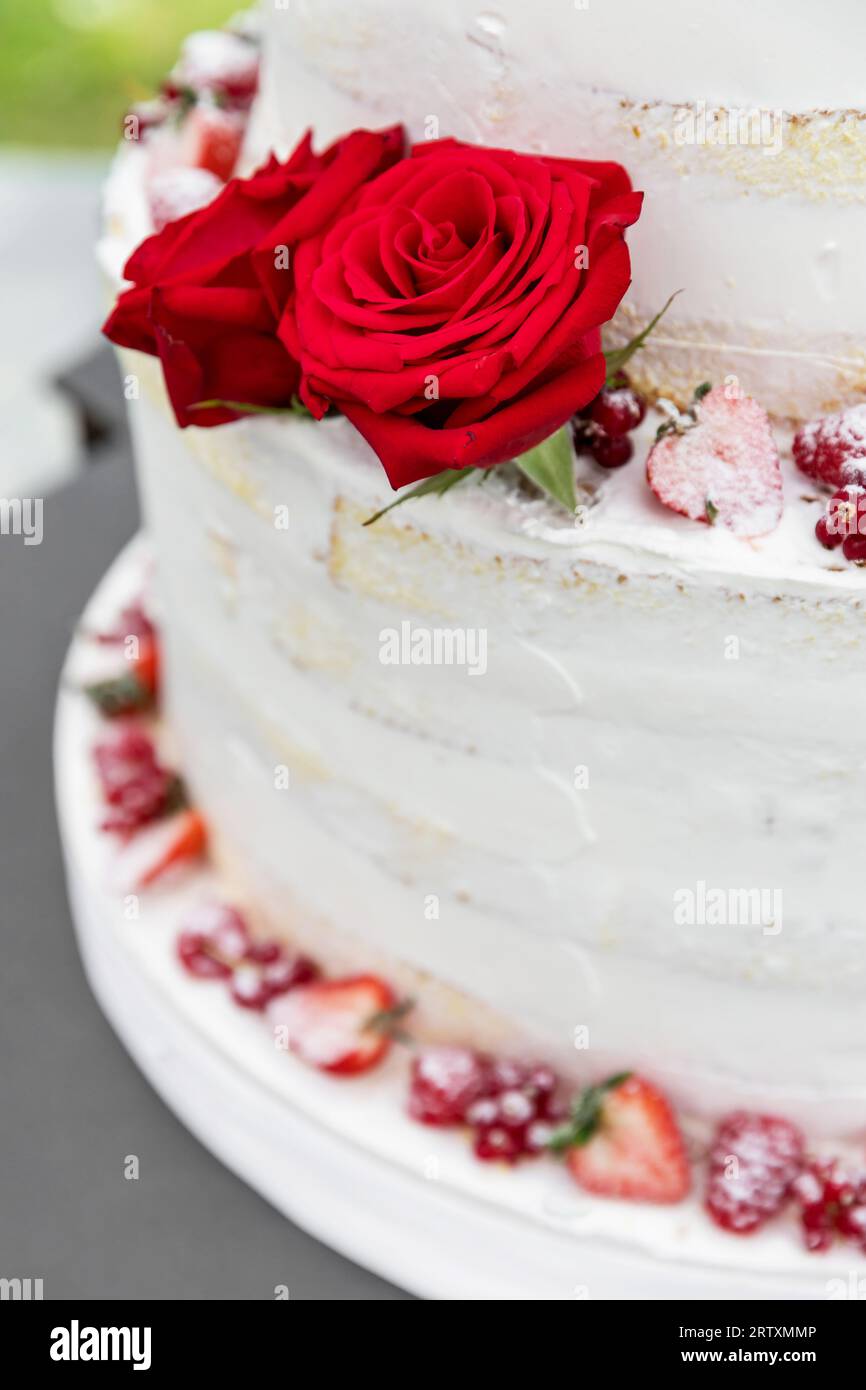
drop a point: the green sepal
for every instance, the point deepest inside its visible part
(585, 1115)
(688, 417)
(296, 407)
(119, 695)
(437, 486)
(550, 465)
(617, 358)
(387, 1021)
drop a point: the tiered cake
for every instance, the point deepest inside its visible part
(614, 816)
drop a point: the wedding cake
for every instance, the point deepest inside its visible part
(580, 772)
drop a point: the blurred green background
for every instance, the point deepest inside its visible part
(69, 68)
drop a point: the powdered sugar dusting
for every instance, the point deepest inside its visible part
(173, 193)
(724, 469)
(214, 58)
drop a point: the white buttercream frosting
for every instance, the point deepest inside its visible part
(643, 727)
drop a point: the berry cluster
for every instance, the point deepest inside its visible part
(343, 1026)
(216, 68)
(844, 523)
(135, 785)
(832, 1202)
(215, 944)
(216, 64)
(602, 429)
(195, 127)
(753, 1162)
(832, 450)
(135, 686)
(510, 1107)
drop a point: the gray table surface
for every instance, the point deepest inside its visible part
(72, 1103)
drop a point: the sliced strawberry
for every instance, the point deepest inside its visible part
(212, 139)
(344, 1026)
(160, 847)
(623, 1141)
(145, 667)
(718, 463)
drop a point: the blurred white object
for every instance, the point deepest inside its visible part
(52, 301)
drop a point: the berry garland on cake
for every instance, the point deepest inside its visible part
(618, 1138)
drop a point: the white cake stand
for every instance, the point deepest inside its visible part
(340, 1157)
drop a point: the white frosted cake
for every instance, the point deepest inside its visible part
(589, 787)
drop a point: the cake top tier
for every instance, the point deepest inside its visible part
(518, 66)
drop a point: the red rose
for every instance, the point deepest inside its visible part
(208, 291)
(453, 310)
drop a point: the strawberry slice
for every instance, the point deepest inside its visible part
(345, 1026)
(145, 667)
(212, 139)
(160, 847)
(718, 463)
(623, 1141)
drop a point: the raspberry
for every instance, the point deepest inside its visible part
(617, 409)
(832, 449)
(753, 1161)
(444, 1083)
(134, 784)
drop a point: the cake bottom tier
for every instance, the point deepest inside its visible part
(393, 819)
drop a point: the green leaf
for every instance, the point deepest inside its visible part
(585, 1115)
(550, 465)
(438, 485)
(712, 511)
(246, 408)
(119, 695)
(617, 358)
(388, 1021)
